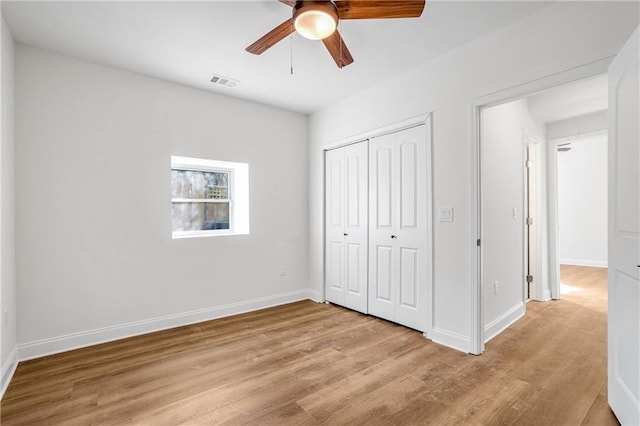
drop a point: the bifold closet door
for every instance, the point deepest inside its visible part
(398, 227)
(346, 226)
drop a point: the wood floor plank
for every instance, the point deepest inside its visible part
(491, 398)
(309, 364)
(600, 414)
(379, 405)
(359, 384)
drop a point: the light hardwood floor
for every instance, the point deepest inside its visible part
(307, 363)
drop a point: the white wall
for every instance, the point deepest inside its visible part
(583, 124)
(95, 258)
(7, 221)
(557, 38)
(504, 129)
(582, 202)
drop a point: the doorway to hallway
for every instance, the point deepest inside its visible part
(519, 177)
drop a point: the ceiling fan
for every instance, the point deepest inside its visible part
(318, 20)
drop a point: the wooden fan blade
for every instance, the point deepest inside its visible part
(288, 2)
(381, 9)
(271, 38)
(338, 50)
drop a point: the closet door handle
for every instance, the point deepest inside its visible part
(345, 234)
(393, 236)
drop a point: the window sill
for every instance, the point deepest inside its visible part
(200, 234)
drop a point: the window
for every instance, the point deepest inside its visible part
(208, 197)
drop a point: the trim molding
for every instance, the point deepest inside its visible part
(584, 262)
(44, 347)
(8, 370)
(498, 325)
(552, 219)
(315, 296)
(450, 339)
(380, 131)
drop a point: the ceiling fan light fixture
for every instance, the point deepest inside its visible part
(315, 20)
(318, 20)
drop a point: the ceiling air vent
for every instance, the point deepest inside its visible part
(224, 81)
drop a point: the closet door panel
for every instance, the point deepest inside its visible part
(409, 278)
(383, 274)
(383, 188)
(336, 265)
(383, 218)
(357, 225)
(334, 227)
(346, 214)
(398, 214)
(355, 218)
(336, 170)
(412, 228)
(353, 265)
(381, 293)
(408, 185)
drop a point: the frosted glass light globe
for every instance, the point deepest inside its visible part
(315, 24)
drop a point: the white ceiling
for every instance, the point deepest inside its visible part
(188, 42)
(570, 100)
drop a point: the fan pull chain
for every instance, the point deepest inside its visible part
(291, 52)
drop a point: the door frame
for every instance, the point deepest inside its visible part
(589, 70)
(553, 238)
(533, 259)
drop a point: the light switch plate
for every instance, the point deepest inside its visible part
(445, 214)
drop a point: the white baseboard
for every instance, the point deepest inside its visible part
(498, 325)
(83, 339)
(450, 339)
(316, 296)
(8, 369)
(546, 294)
(584, 262)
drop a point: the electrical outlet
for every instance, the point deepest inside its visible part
(495, 287)
(283, 270)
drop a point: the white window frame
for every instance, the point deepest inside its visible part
(238, 196)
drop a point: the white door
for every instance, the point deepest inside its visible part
(398, 239)
(346, 226)
(624, 235)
